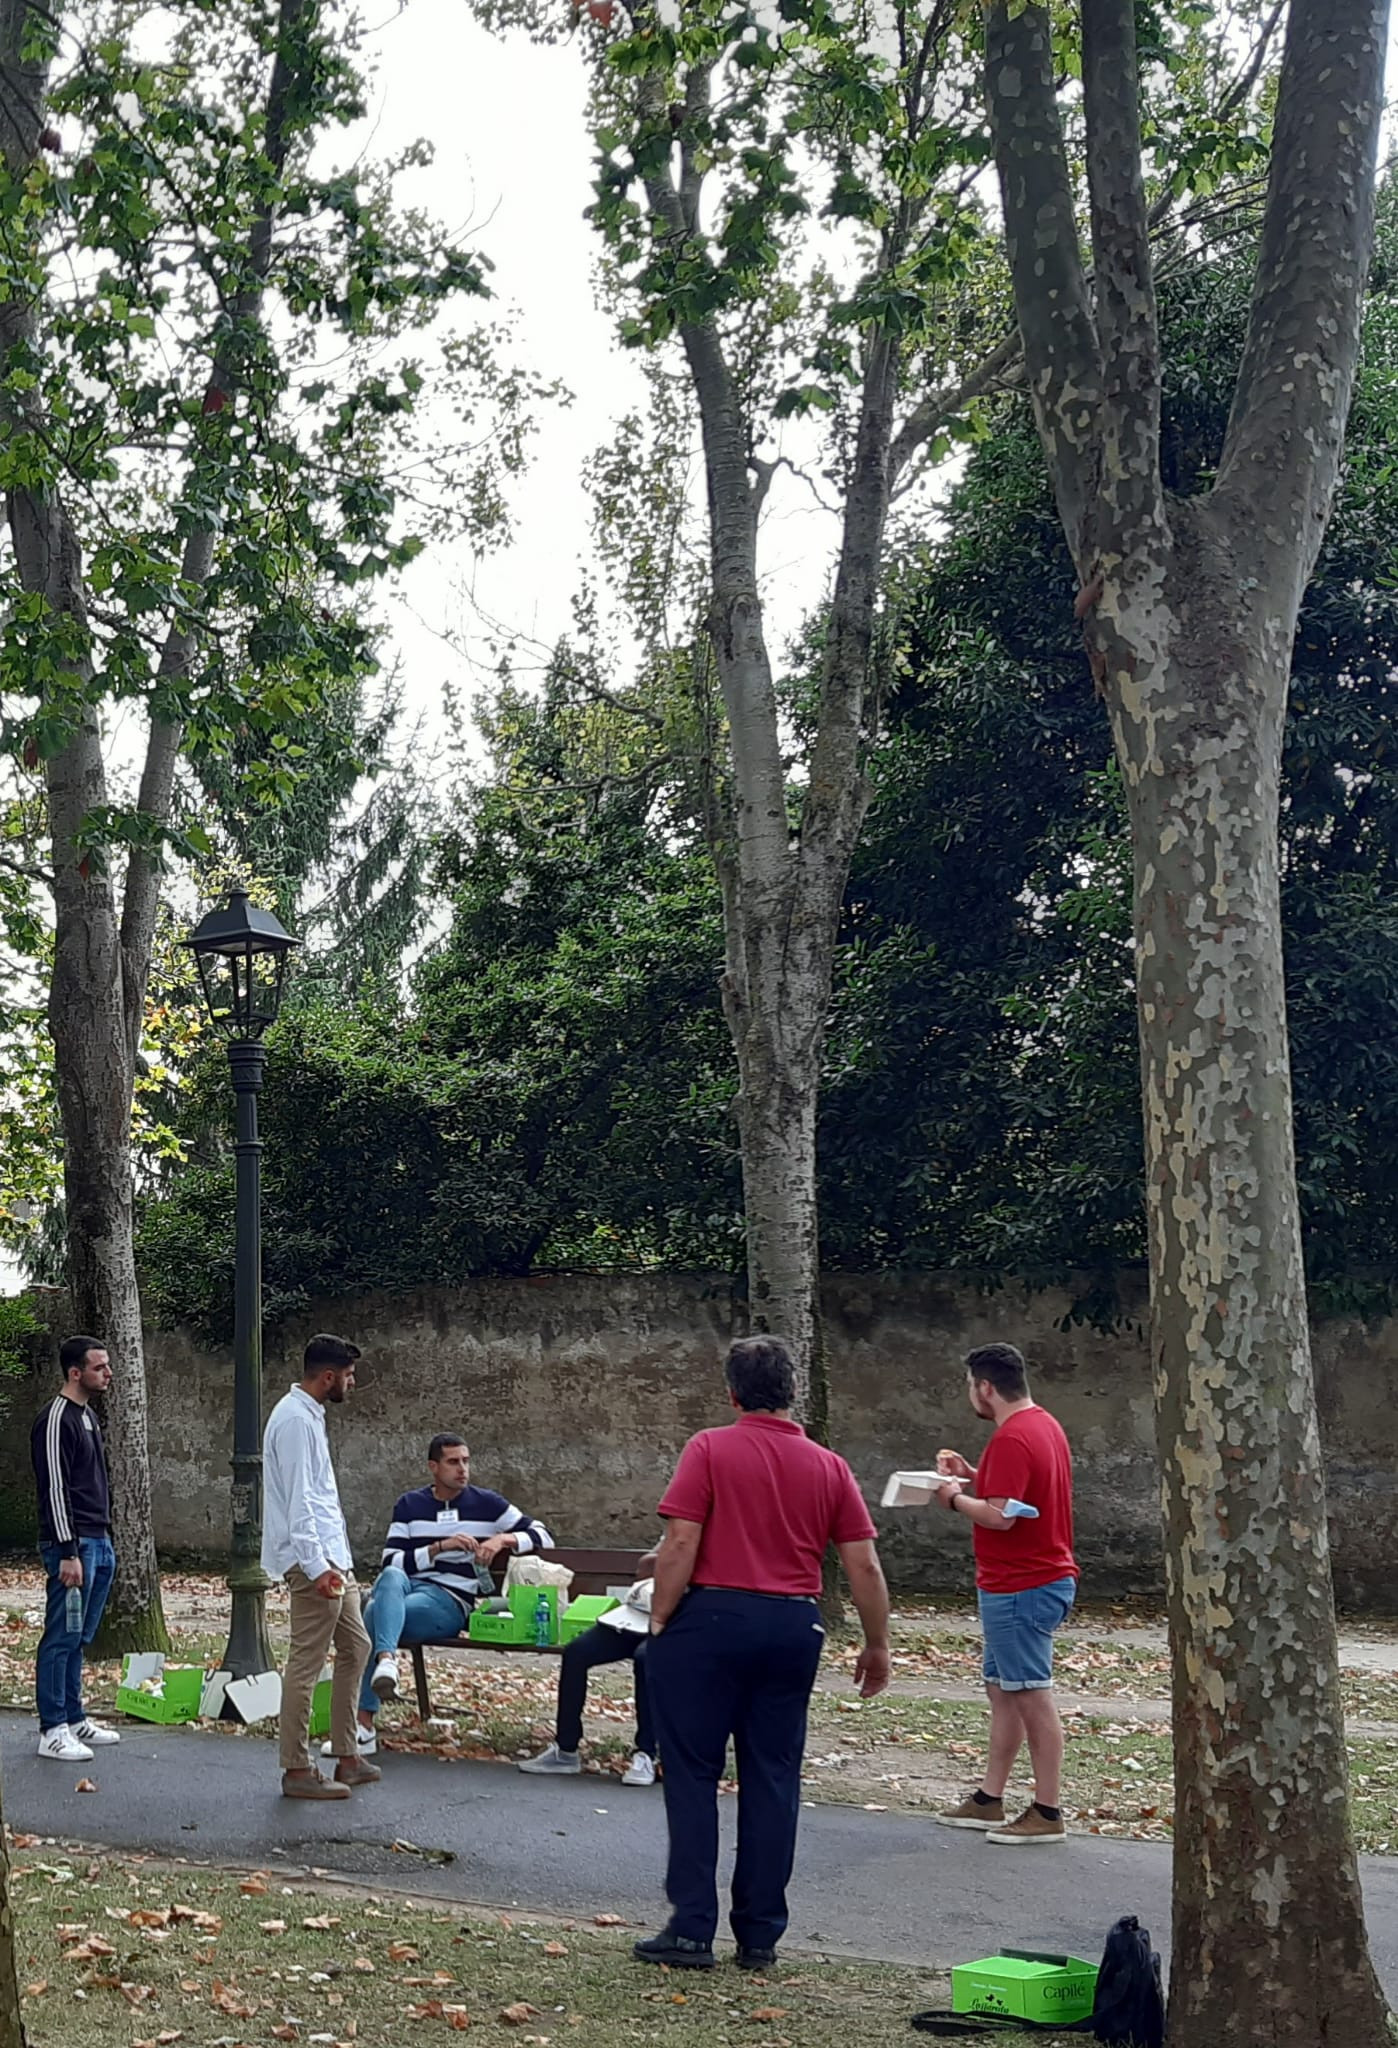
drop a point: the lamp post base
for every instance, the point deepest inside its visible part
(249, 1651)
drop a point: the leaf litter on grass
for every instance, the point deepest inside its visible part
(370, 1968)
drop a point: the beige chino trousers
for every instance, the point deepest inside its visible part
(316, 1623)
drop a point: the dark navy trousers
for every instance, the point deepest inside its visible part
(736, 1666)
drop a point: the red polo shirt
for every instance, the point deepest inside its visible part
(1026, 1459)
(770, 1502)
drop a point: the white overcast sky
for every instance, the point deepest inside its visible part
(514, 166)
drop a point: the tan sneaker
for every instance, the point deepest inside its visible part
(1031, 1828)
(974, 1813)
(310, 1785)
(353, 1770)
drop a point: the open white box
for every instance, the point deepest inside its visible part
(915, 1489)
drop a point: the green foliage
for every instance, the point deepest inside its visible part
(556, 1095)
(230, 357)
(18, 1327)
(169, 390)
(983, 1105)
(557, 1091)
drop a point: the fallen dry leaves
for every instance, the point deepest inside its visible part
(515, 2015)
(228, 1998)
(456, 2016)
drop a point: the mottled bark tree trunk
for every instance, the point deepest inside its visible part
(783, 859)
(11, 2022)
(1190, 612)
(94, 1068)
(102, 953)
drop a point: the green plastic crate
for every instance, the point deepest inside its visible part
(496, 1628)
(523, 1601)
(183, 1689)
(584, 1613)
(320, 1710)
(1023, 1985)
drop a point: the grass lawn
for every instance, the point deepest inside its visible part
(117, 1953)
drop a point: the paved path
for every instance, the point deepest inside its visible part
(867, 1884)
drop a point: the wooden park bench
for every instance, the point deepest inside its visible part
(593, 1572)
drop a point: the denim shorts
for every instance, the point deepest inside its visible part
(1018, 1630)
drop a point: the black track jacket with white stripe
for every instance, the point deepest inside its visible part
(70, 1470)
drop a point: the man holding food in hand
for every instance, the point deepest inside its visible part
(305, 1542)
(1019, 1500)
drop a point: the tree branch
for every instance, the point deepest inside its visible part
(833, 807)
(1129, 499)
(1281, 453)
(1060, 342)
(933, 413)
(143, 872)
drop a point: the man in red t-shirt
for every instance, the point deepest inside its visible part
(1026, 1580)
(735, 1644)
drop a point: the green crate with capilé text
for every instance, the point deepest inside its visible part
(1024, 1985)
(504, 1627)
(584, 1613)
(168, 1694)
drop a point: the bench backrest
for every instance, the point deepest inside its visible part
(594, 1570)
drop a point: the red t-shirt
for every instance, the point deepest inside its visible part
(1027, 1459)
(770, 1500)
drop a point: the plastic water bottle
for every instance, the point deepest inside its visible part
(73, 1607)
(543, 1625)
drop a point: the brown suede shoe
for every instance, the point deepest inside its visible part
(311, 1785)
(353, 1770)
(974, 1813)
(1029, 1831)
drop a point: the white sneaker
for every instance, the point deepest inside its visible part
(366, 1738)
(63, 1746)
(93, 1732)
(385, 1679)
(553, 1762)
(642, 1771)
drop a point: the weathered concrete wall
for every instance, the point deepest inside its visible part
(576, 1392)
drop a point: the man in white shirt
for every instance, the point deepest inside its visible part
(305, 1542)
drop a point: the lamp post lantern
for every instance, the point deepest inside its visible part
(241, 953)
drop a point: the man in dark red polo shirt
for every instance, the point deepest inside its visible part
(1026, 1579)
(736, 1639)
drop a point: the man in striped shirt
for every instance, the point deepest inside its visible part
(438, 1537)
(70, 1473)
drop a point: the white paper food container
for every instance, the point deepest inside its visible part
(915, 1489)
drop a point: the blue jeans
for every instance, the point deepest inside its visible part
(399, 1611)
(58, 1681)
(733, 1665)
(1019, 1629)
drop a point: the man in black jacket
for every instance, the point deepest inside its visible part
(70, 1471)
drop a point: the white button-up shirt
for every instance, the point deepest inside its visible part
(302, 1522)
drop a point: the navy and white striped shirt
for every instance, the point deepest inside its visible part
(420, 1519)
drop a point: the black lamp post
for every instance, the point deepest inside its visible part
(241, 952)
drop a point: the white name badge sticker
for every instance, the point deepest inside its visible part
(447, 1515)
